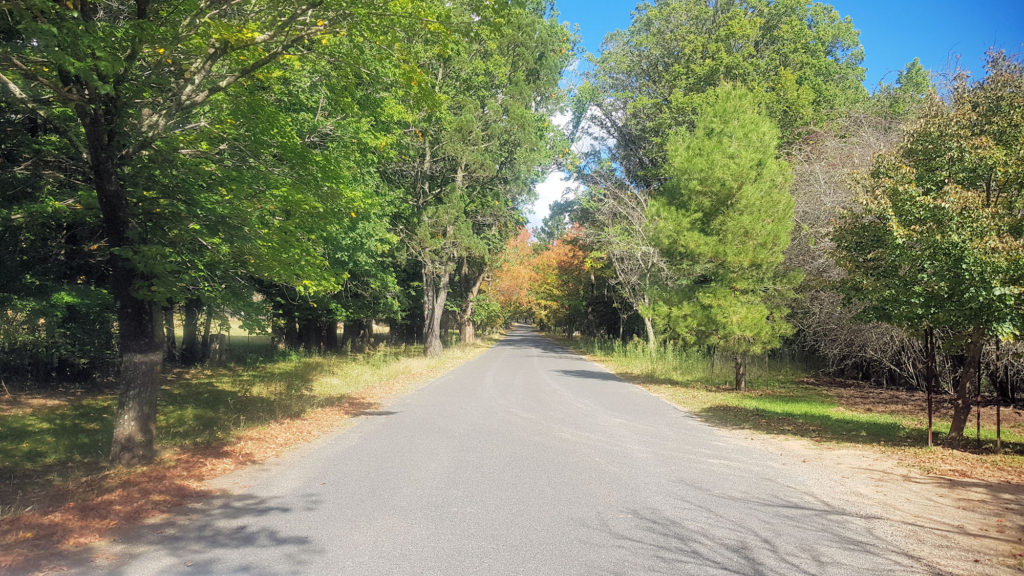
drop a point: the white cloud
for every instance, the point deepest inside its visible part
(556, 186)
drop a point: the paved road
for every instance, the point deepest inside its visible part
(527, 460)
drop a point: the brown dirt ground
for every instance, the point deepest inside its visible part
(955, 526)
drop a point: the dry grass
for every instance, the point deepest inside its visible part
(319, 394)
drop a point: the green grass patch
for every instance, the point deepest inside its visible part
(781, 398)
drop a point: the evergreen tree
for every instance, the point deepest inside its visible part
(722, 221)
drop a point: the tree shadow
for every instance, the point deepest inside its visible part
(725, 534)
(220, 534)
(824, 427)
(786, 418)
(42, 449)
(590, 375)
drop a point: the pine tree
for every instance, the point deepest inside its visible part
(723, 220)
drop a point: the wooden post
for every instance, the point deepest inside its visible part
(930, 416)
(929, 376)
(978, 415)
(999, 438)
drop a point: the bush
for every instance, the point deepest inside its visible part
(65, 336)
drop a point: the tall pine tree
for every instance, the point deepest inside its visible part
(723, 220)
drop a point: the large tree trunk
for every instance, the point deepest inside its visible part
(140, 330)
(435, 293)
(467, 331)
(142, 350)
(741, 372)
(962, 399)
(191, 346)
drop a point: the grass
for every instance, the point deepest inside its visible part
(45, 445)
(783, 399)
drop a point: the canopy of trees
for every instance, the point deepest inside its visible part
(293, 164)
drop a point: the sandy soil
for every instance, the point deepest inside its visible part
(958, 526)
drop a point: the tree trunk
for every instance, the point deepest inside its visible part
(205, 352)
(435, 293)
(191, 348)
(652, 342)
(962, 399)
(467, 332)
(142, 349)
(349, 333)
(171, 350)
(741, 373)
(999, 375)
(140, 333)
(331, 335)
(367, 333)
(309, 335)
(291, 332)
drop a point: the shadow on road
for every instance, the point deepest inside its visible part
(222, 534)
(590, 375)
(730, 535)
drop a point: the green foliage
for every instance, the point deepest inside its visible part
(488, 314)
(801, 59)
(939, 240)
(722, 221)
(64, 336)
(909, 94)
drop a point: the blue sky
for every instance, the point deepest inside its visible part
(893, 33)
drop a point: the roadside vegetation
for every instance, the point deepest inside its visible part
(785, 398)
(764, 202)
(52, 441)
(315, 168)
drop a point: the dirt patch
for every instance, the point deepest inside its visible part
(956, 526)
(23, 403)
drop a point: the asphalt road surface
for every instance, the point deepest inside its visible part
(527, 460)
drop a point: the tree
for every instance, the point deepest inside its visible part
(939, 240)
(723, 220)
(116, 78)
(559, 293)
(912, 89)
(622, 234)
(513, 276)
(802, 60)
(474, 154)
